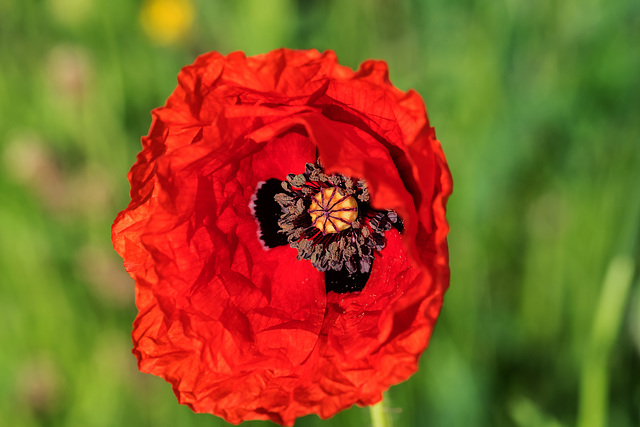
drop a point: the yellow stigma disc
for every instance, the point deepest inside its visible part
(332, 210)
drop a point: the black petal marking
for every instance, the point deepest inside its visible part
(342, 281)
(267, 211)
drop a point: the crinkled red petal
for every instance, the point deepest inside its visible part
(247, 333)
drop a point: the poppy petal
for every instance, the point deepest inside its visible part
(248, 333)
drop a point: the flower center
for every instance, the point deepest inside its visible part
(328, 220)
(332, 210)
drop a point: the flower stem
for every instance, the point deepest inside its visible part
(593, 408)
(379, 416)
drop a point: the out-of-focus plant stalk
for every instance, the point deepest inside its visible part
(593, 404)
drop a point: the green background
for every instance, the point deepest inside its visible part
(537, 105)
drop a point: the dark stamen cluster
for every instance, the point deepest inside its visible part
(351, 248)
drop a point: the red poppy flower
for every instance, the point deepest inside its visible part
(286, 234)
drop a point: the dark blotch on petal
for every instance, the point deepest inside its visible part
(342, 281)
(268, 212)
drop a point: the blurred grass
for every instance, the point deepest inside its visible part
(537, 107)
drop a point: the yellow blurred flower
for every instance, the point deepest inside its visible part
(166, 21)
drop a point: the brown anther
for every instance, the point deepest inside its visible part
(332, 210)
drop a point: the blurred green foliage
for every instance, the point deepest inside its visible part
(537, 105)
